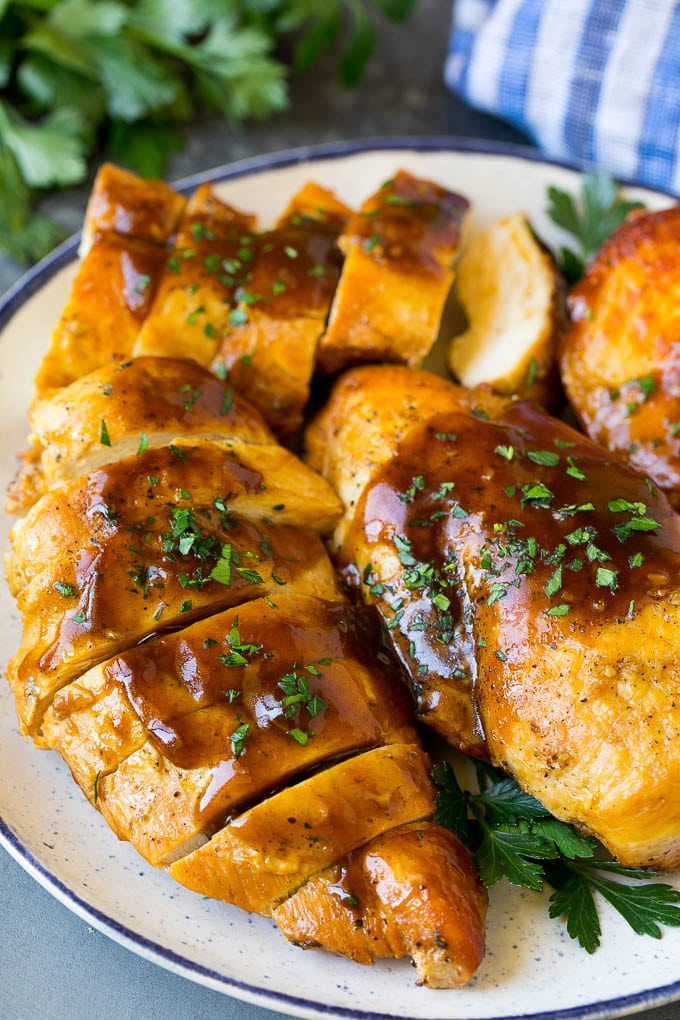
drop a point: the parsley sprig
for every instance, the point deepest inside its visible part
(123, 75)
(514, 837)
(590, 219)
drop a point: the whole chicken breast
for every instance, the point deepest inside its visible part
(517, 564)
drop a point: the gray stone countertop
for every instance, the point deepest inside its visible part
(53, 966)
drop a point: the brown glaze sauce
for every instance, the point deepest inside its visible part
(133, 267)
(410, 222)
(191, 697)
(509, 543)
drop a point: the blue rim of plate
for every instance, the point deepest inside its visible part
(10, 303)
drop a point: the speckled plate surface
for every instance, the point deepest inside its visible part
(532, 967)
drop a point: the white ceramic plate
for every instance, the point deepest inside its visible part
(532, 967)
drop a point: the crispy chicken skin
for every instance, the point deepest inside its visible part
(556, 569)
(132, 206)
(269, 345)
(413, 891)
(620, 361)
(157, 723)
(263, 855)
(399, 253)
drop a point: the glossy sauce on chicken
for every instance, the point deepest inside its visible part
(503, 536)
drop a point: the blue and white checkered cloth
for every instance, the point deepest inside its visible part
(592, 81)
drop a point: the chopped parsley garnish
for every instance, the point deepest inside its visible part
(606, 578)
(296, 689)
(561, 610)
(537, 495)
(238, 739)
(508, 452)
(547, 458)
(416, 486)
(104, 437)
(237, 317)
(66, 590)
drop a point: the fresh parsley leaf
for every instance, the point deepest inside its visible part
(451, 805)
(573, 900)
(590, 219)
(511, 852)
(513, 836)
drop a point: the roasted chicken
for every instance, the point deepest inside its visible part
(512, 296)
(531, 586)
(399, 252)
(620, 360)
(127, 224)
(187, 648)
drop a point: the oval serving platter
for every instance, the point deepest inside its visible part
(532, 968)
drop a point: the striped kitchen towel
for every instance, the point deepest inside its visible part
(592, 81)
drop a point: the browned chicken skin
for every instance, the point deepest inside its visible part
(620, 359)
(556, 570)
(159, 724)
(187, 649)
(399, 251)
(389, 899)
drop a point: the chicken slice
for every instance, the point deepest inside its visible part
(620, 359)
(263, 855)
(164, 488)
(146, 401)
(413, 891)
(196, 292)
(313, 202)
(509, 288)
(556, 570)
(110, 299)
(129, 551)
(283, 298)
(153, 402)
(181, 731)
(399, 248)
(133, 206)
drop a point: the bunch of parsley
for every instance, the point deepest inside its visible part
(514, 837)
(121, 75)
